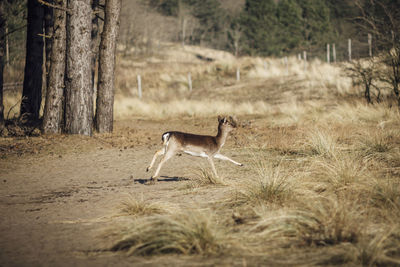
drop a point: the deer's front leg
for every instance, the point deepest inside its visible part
(212, 165)
(220, 156)
(158, 153)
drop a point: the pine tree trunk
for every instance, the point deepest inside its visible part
(2, 60)
(79, 91)
(53, 110)
(48, 28)
(105, 88)
(32, 90)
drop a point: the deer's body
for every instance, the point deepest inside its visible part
(196, 145)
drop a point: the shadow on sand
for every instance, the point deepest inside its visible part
(162, 179)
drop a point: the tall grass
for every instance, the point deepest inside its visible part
(272, 185)
(204, 176)
(133, 206)
(321, 143)
(320, 222)
(187, 233)
(344, 171)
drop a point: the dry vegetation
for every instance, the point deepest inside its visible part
(321, 184)
(324, 182)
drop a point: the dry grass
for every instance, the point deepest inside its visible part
(320, 222)
(321, 143)
(204, 176)
(133, 206)
(273, 185)
(187, 233)
(322, 188)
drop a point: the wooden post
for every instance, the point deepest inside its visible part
(139, 86)
(299, 56)
(334, 52)
(328, 53)
(190, 81)
(286, 65)
(370, 44)
(7, 47)
(238, 74)
(305, 59)
(349, 48)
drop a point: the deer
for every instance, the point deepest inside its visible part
(206, 146)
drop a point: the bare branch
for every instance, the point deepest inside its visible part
(55, 6)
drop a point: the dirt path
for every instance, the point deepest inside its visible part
(56, 205)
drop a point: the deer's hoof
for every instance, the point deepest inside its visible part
(151, 181)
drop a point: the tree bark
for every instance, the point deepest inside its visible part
(53, 110)
(32, 90)
(105, 88)
(79, 90)
(48, 28)
(2, 54)
(95, 38)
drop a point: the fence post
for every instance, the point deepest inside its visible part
(190, 81)
(328, 53)
(237, 74)
(7, 46)
(370, 44)
(286, 65)
(305, 59)
(334, 52)
(299, 56)
(349, 48)
(139, 85)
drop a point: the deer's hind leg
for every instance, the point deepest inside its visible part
(168, 154)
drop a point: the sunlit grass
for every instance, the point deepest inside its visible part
(133, 206)
(187, 233)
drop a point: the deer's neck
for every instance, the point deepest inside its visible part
(221, 137)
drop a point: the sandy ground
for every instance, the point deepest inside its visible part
(60, 194)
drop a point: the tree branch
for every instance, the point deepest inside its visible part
(55, 6)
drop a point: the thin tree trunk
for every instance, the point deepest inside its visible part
(95, 39)
(105, 95)
(79, 90)
(2, 59)
(32, 90)
(53, 110)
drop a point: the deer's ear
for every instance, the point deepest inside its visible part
(224, 120)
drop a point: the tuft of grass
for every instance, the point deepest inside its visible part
(182, 233)
(321, 222)
(383, 249)
(386, 194)
(376, 143)
(204, 176)
(273, 185)
(321, 143)
(343, 170)
(133, 206)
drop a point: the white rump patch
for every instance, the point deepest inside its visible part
(165, 138)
